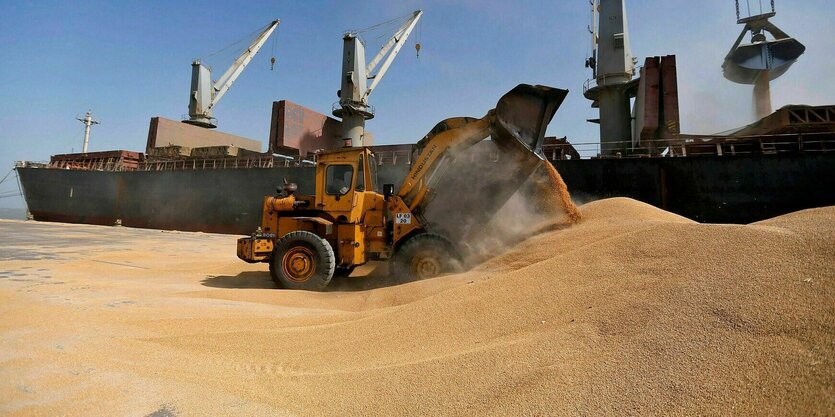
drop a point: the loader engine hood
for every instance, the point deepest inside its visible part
(522, 116)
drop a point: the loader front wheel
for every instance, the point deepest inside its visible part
(302, 260)
(424, 256)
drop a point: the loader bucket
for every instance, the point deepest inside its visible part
(522, 116)
(480, 180)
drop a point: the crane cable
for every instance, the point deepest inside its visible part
(7, 176)
(387, 22)
(386, 33)
(392, 22)
(247, 37)
(398, 21)
(747, 2)
(11, 193)
(418, 38)
(272, 58)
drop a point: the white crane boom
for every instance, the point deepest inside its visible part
(353, 107)
(396, 41)
(225, 81)
(205, 94)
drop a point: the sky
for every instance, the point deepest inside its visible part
(130, 61)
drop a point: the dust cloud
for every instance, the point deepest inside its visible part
(762, 95)
(490, 199)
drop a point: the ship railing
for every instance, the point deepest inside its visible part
(31, 164)
(604, 80)
(101, 164)
(676, 146)
(698, 145)
(266, 161)
(680, 146)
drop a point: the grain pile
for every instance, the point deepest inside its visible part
(632, 311)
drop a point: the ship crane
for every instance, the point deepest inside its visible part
(205, 94)
(353, 105)
(613, 66)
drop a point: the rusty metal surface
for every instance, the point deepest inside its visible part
(103, 161)
(793, 119)
(167, 132)
(648, 100)
(670, 118)
(554, 148)
(296, 126)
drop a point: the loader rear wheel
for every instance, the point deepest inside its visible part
(302, 260)
(424, 256)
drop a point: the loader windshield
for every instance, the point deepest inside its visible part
(338, 179)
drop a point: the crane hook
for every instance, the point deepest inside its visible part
(272, 63)
(417, 49)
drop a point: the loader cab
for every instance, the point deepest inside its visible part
(343, 178)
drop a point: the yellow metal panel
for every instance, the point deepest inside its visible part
(376, 239)
(374, 219)
(289, 224)
(404, 221)
(254, 250)
(350, 245)
(269, 218)
(357, 207)
(261, 248)
(373, 209)
(245, 248)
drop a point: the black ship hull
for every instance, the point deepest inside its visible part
(729, 189)
(217, 201)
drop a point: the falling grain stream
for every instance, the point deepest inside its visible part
(559, 193)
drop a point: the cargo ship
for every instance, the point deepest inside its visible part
(196, 179)
(783, 163)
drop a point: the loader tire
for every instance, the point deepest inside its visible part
(424, 256)
(302, 260)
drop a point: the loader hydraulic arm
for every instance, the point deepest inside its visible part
(436, 150)
(516, 126)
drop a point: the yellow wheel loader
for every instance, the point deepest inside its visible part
(352, 220)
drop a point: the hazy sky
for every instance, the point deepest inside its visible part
(130, 61)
